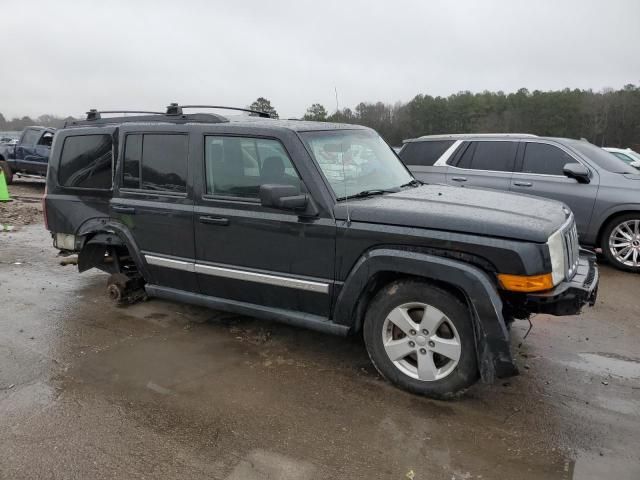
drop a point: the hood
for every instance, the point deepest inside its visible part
(463, 210)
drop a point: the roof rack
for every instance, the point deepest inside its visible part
(175, 109)
(95, 118)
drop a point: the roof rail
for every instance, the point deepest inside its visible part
(94, 114)
(175, 109)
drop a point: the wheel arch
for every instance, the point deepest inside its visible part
(469, 283)
(612, 216)
(107, 232)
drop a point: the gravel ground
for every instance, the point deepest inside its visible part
(159, 390)
(26, 205)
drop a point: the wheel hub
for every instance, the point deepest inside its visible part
(624, 243)
(421, 341)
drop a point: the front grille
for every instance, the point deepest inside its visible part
(571, 250)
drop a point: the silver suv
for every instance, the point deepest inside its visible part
(602, 190)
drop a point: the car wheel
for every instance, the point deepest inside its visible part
(8, 174)
(420, 337)
(621, 242)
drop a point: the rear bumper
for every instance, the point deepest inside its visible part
(568, 297)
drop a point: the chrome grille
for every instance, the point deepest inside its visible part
(571, 249)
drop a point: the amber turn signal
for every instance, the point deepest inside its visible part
(525, 283)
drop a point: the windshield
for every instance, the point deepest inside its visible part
(602, 158)
(356, 161)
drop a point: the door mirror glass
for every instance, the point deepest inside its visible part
(577, 171)
(284, 197)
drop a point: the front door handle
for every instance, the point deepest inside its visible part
(523, 184)
(122, 209)
(215, 221)
(459, 179)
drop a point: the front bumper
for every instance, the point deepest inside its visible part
(568, 297)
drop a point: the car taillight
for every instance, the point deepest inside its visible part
(44, 208)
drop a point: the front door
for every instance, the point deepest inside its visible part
(156, 206)
(541, 173)
(252, 254)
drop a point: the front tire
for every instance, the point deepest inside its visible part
(621, 242)
(420, 337)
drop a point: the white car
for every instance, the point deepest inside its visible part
(627, 155)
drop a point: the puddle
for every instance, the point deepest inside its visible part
(607, 364)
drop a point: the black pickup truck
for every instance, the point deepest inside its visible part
(318, 225)
(30, 155)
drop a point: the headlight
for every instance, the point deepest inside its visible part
(556, 252)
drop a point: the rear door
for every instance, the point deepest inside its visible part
(253, 254)
(25, 149)
(540, 172)
(156, 204)
(422, 159)
(483, 164)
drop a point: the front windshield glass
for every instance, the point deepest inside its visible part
(356, 162)
(604, 159)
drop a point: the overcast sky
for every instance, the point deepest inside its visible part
(62, 57)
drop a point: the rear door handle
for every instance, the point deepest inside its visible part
(122, 209)
(459, 179)
(215, 221)
(523, 184)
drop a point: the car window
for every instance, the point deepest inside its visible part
(546, 159)
(30, 137)
(492, 156)
(238, 166)
(424, 153)
(601, 157)
(156, 162)
(46, 139)
(86, 161)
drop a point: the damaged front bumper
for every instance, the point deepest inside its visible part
(568, 297)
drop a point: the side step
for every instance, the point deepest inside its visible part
(298, 319)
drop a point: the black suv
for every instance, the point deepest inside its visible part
(318, 225)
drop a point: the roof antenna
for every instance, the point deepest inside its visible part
(335, 89)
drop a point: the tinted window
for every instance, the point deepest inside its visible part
(132, 157)
(494, 156)
(86, 162)
(237, 166)
(545, 159)
(156, 162)
(30, 137)
(424, 153)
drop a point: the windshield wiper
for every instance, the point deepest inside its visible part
(368, 193)
(412, 183)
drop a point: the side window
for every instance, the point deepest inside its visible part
(623, 157)
(492, 156)
(30, 137)
(46, 139)
(237, 166)
(86, 161)
(156, 162)
(545, 159)
(424, 153)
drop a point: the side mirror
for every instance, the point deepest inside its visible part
(577, 171)
(284, 197)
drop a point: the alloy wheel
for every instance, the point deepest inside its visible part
(624, 243)
(421, 341)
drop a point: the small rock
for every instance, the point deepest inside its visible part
(526, 367)
(604, 382)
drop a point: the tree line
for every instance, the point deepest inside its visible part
(607, 118)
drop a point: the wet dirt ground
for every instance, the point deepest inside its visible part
(161, 390)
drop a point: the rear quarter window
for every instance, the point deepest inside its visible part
(86, 161)
(424, 154)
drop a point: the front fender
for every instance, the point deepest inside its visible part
(492, 337)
